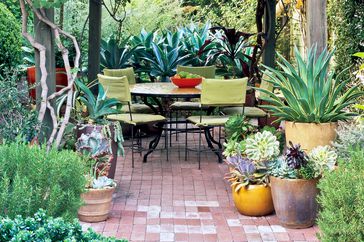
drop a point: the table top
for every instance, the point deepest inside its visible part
(165, 90)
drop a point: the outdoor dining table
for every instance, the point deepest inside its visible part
(162, 95)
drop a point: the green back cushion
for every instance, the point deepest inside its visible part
(128, 72)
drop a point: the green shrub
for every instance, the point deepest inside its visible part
(342, 200)
(32, 178)
(10, 38)
(44, 228)
(16, 116)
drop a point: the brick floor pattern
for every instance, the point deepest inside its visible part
(174, 201)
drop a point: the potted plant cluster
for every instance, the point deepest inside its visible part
(99, 188)
(293, 179)
(313, 102)
(248, 172)
(185, 79)
(95, 119)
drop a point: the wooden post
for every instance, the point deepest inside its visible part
(269, 30)
(94, 39)
(316, 29)
(44, 35)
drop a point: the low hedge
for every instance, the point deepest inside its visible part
(44, 228)
(342, 200)
(32, 178)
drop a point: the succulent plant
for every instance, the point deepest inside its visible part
(279, 168)
(244, 171)
(94, 144)
(102, 182)
(322, 158)
(295, 156)
(238, 128)
(262, 147)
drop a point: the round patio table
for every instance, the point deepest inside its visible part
(163, 94)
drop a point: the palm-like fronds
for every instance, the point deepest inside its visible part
(312, 94)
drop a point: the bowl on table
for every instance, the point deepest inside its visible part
(186, 82)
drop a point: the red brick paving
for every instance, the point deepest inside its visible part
(174, 201)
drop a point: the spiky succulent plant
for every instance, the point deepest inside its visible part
(322, 158)
(263, 146)
(244, 172)
(295, 156)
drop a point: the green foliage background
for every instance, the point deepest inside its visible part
(346, 24)
(32, 178)
(342, 200)
(10, 39)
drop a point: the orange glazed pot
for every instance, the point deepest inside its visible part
(253, 200)
(97, 205)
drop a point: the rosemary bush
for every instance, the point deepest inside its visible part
(32, 178)
(342, 200)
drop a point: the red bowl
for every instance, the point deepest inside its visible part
(186, 82)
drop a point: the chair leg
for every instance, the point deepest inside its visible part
(132, 146)
(199, 148)
(167, 148)
(186, 140)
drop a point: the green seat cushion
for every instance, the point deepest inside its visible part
(250, 112)
(138, 118)
(137, 108)
(187, 106)
(208, 120)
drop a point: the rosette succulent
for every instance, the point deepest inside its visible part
(244, 171)
(263, 146)
(295, 156)
(322, 158)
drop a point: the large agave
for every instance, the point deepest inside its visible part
(262, 147)
(295, 156)
(323, 158)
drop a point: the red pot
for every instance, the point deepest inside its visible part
(61, 79)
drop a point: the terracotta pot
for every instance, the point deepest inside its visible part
(295, 201)
(254, 200)
(310, 135)
(97, 205)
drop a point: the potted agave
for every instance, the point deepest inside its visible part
(248, 175)
(293, 178)
(99, 188)
(313, 102)
(97, 108)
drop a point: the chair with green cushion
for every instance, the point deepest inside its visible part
(252, 112)
(118, 87)
(130, 74)
(204, 71)
(218, 93)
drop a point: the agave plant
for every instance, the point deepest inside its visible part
(163, 62)
(113, 56)
(97, 107)
(312, 94)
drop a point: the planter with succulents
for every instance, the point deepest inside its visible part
(293, 179)
(314, 101)
(248, 172)
(97, 197)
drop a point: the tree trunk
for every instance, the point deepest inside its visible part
(270, 31)
(94, 39)
(44, 35)
(316, 24)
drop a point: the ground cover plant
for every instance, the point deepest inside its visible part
(32, 178)
(41, 227)
(342, 200)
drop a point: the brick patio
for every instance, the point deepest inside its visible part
(174, 201)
